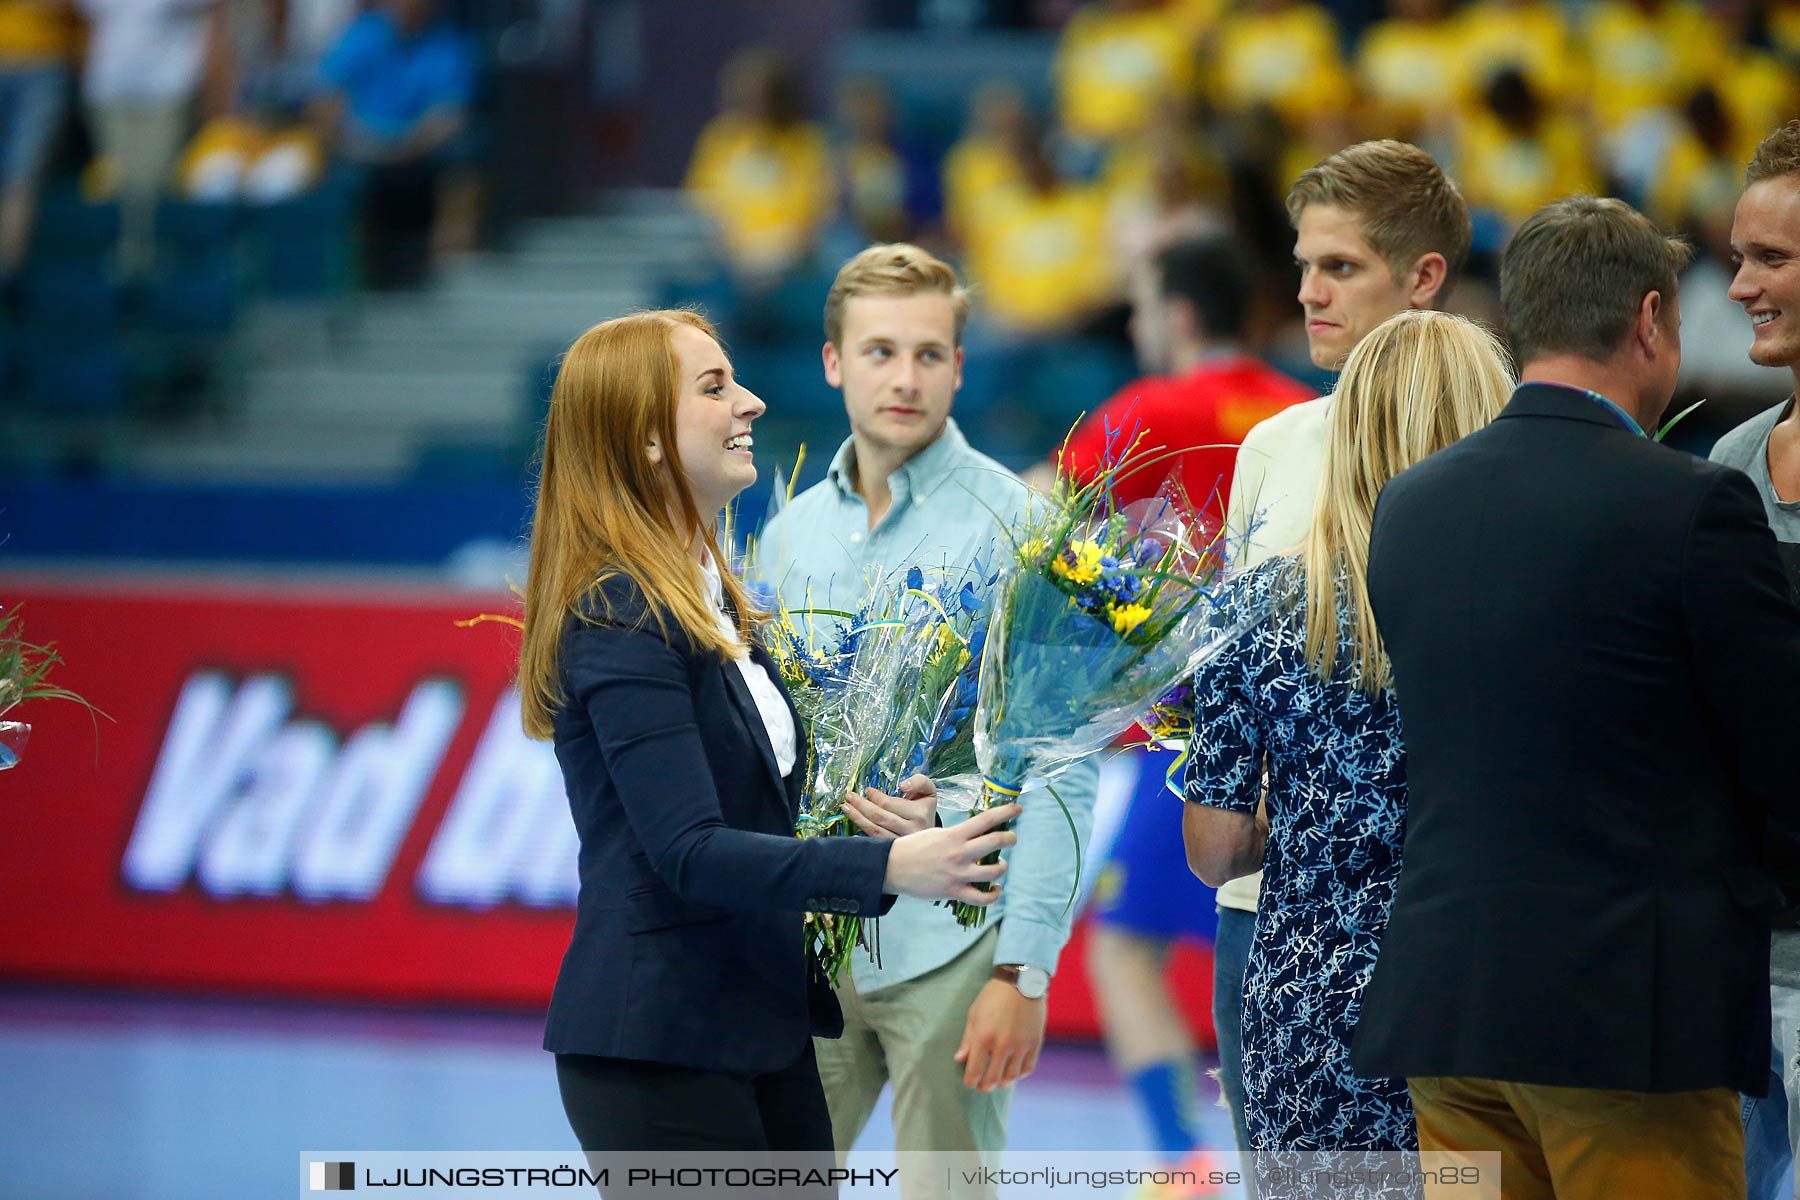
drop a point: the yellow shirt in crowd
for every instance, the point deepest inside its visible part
(1534, 38)
(1198, 17)
(1041, 260)
(875, 187)
(1694, 183)
(1515, 176)
(1410, 69)
(1115, 66)
(1642, 61)
(1760, 93)
(980, 176)
(36, 31)
(1288, 59)
(769, 189)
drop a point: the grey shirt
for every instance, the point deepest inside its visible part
(1747, 449)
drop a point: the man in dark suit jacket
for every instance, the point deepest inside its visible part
(1576, 968)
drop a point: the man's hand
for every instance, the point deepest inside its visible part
(883, 816)
(1001, 1041)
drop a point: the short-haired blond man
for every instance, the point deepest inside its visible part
(951, 1017)
(1378, 229)
(1765, 241)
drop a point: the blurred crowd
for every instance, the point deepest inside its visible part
(252, 101)
(1168, 116)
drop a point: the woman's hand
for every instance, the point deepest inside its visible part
(883, 816)
(945, 864)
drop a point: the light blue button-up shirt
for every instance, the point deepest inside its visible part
(948, 501)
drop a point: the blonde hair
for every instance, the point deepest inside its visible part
(893, 269)
(1418, 382)
(1406, 205)
(604, 509)
(1776, 155)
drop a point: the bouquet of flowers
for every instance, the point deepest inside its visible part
(1101, 613)
(24, 675)
(892, 696)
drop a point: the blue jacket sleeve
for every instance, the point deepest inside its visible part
(637, 691)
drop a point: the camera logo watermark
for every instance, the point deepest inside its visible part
(331, 1177)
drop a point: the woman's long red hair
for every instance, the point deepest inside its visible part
(603, 508)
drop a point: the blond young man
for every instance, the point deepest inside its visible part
(951, 1017)
(1765, 241)
(1379, 229)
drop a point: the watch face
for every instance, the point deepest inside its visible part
(1034, 982)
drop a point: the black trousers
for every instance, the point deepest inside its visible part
(616, 1104)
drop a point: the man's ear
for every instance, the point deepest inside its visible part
(1647, 327)
(834, 366)
(1426, 280)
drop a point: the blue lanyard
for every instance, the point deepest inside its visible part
(1618, 414)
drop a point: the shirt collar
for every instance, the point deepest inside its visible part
(922, 472)
(715, 586)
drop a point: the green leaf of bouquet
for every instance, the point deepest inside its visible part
(1074, 888)
(1676, 419)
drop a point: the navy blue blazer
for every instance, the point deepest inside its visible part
(688, 945)
(1595, 656)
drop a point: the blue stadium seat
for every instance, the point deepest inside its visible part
(69, 378)
(788, 378)
(189, 231)
(794, 310)
(196, 300)
(303, 247)
(716, 297)
(1060, 382)
(70, 300)
(70, 229)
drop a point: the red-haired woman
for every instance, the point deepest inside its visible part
(684, 1013)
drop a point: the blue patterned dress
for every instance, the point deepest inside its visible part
(1337, 809)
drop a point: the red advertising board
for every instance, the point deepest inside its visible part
(316, 791)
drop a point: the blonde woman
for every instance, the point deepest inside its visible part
(1306, 699)
(683, 1015)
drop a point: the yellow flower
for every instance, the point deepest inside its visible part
(1080, 563)
(946, 638)
(1127, 617)
(1034, 549)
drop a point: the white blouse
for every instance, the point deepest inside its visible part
(777, 721)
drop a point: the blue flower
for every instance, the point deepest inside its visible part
(915, 579)
(970, 600)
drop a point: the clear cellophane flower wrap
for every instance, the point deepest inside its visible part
(1100, 614)
(877, 705)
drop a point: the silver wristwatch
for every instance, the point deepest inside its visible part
(1033, 982)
